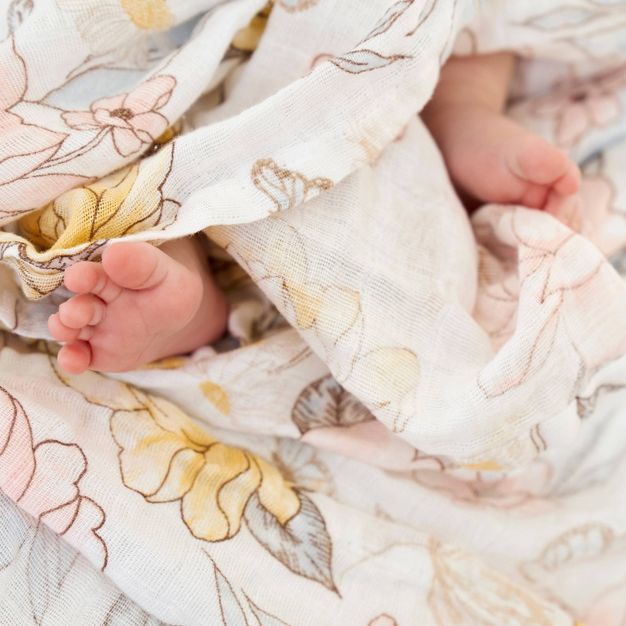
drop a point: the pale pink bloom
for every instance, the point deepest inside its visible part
(133, 119)
(604, 223)
(23, 147)
(44, 479)
(581, 107)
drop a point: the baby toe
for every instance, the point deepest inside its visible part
(82, 310)
(60, 331)
(569, 183)
(75, 357)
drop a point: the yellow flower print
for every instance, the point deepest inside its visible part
(123, 30)
(216, 395)
(390, 377)
(148, 14)
(123, 202)
(165, 457)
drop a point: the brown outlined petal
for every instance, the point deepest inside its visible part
(150, 95)
(126, 141)
(213, 507)
(286, 189)
(17, 461)
(148, 126)
(109, 103)
(65, 463)
(104, 118)
(36, 145)
(12, 75)
(80, 120)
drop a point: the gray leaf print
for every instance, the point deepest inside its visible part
(303, 544)
(326, 403)
(230, 608)
(263, 617)
(18, 11)
(49, 561)
(618, 261)
(124, 611)
(14, 534)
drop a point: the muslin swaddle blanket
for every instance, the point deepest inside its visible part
(415, 419)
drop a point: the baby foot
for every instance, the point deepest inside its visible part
(492, 159)
(140, 304)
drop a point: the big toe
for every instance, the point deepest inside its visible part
(537, 161)
(136, 264)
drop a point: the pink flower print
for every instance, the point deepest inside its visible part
(604, 222)
(581, 107)
(132, 119)
(44, 480)
(24, 147)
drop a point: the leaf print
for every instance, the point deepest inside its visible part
(286, 189)
(232, 612)
(124, 611)
(618, 261)
(299, 465)
(326, 403)
(562, 17)
(263, 617)
(296, 5)
(388, 19)
(166, 457)
(18, 11)
(364, 60)
(49, 561)
(14, 534)
(302, 544)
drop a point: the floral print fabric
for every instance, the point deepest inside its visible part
(374, 327)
